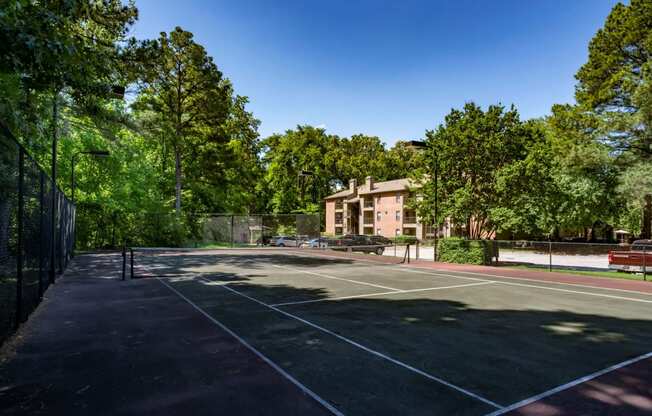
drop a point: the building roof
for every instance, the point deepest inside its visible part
(341, 194)
(396, 185)
(388, 186)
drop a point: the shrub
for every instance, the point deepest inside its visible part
(459, 250)
(405, 239)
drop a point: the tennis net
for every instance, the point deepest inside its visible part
(151, 262)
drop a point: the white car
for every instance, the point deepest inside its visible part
(284, 241)
(315, 243)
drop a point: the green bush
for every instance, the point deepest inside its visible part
(405, 239)
(459, 250)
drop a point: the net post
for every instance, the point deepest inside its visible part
(124, 260)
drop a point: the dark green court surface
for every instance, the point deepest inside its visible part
(383, 339)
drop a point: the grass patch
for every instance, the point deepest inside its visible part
(609, 274)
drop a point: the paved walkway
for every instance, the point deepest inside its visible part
(101, 346)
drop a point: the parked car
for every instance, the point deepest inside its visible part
(633, 260)
(266, 240)
(285, 241)
(315, 243)
(360, 243)
(379, 239)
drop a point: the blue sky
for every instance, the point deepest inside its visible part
(389, 69)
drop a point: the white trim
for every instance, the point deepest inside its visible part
(569, 385)
(602, 295)
(260, 355)
(369, 350)
(369, 295)
(326, 276)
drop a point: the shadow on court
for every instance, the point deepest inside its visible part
(105, 346)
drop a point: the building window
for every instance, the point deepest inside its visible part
(378, 216)
(398, 231)
(398, 215)
(338, 230)
(398, 197)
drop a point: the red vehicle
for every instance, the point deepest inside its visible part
(633, 260)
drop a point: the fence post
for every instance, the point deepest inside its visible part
(231, 231)
(644, 262)
(20, 242)
(41, 254)
(549, 256)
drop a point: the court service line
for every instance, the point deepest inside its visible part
(570, 384)
(327, 276)
(369, 295)
(557, 289)
(260, 355)
(369, 350)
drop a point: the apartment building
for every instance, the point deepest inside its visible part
(375, 208)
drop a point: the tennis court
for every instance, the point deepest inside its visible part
(362, 335)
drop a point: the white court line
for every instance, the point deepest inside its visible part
(327, 276)
(569, 385)
(439, 271)
(369, 350)
(557, 289)
(294, 381)
(369, 295)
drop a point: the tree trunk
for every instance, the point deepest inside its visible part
(177, 172)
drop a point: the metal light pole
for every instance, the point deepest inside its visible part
(436, 204)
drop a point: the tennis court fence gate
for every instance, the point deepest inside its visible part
(30, 258)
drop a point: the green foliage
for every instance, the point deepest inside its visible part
(459, 250)
(615, 82)
(466, 154)
(635, 183)
(405, 239)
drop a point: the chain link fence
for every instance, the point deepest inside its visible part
(559, 256)
(30, 258)
(193, 230)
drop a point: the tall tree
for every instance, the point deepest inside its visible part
(188, 96)
(467, 152)
(617, 79)
(307, 149)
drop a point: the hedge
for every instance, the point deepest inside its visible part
(459, 250)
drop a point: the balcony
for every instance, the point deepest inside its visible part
(338, 219)
(368, 220)
(368, 204)
(409, 219)
(339, 206)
